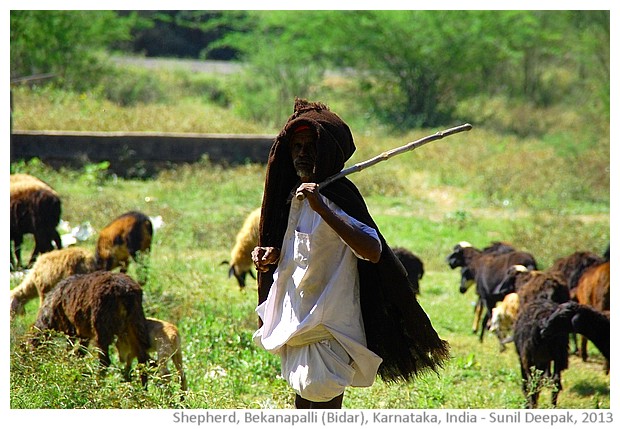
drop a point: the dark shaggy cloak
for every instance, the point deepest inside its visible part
(397, 328)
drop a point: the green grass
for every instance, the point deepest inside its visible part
(557, 194)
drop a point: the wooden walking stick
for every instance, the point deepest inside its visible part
(389, 154)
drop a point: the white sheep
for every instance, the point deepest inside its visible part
(241, 254)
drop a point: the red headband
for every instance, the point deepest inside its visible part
(303, 127)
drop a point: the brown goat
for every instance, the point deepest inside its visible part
(164, 339)
(125, 237)
(34, 209)
(593, 290)
(95, 308)
(49, 269)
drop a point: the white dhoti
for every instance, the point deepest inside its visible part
(312, 316)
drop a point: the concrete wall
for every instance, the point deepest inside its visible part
(129, 153)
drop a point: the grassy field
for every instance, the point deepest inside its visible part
(547, 193)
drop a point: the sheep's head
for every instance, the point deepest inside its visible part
(17, 307)
(508, 283)
(236, 271)
(457, 257)
(467, 279)
(112, 253)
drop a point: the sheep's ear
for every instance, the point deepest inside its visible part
(252, 274)
(231, 271)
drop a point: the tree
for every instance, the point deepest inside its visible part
(63, 42)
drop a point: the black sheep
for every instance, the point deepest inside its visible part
(581, 319)
(537, 352)
(413, 265)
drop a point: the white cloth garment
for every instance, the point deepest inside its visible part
(312, 316)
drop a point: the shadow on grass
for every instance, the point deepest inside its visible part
(590, 388)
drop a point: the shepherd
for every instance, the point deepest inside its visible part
(334, 301)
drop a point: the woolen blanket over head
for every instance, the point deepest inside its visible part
(397, 328)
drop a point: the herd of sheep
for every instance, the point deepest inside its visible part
(81, 296)
(538, 309)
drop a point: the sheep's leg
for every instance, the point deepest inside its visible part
(104, 357)
(533, 390)
(525, 376)
(584, 348)
(477, 315)
(143, 357)
(56, 239)
(177, 359)
(483, 326)
(557, 383)
(17, 251)
(43, 243)
(162, 364)
(502, 346)
(127, 370)
(573, 337)
(102, 342)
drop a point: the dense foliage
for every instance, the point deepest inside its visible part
(414, 67)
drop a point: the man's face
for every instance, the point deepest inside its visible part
(303, 152)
